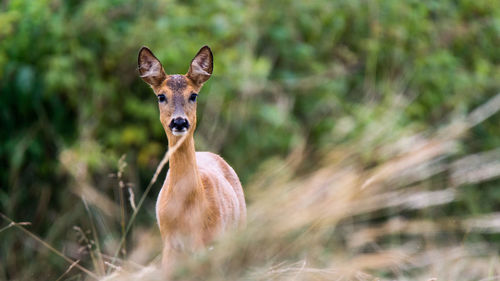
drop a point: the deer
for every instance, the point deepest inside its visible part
(201, 197)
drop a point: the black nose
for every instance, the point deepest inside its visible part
(179, 124)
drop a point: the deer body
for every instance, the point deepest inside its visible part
(195, 205)
(202, 196)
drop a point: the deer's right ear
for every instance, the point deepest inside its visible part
(150, 68)
(202, 66)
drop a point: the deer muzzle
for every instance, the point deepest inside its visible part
(179, 126)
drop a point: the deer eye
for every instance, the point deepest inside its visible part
(162, 98)
(193, 97)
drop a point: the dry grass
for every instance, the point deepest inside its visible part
(345, 220)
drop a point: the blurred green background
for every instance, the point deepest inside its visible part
(287, 74)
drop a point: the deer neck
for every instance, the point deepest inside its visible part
(184, 179)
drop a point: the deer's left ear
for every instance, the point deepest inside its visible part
(202, 66)
(150, 67)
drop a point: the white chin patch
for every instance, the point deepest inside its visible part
(178, 133)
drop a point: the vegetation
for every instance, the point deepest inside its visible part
(365, 134)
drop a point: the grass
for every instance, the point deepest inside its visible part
(342, 218)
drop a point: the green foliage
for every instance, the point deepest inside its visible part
(286, 73)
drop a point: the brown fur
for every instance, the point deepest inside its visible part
(202, 195)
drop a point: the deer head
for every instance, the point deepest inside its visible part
(176, 93)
